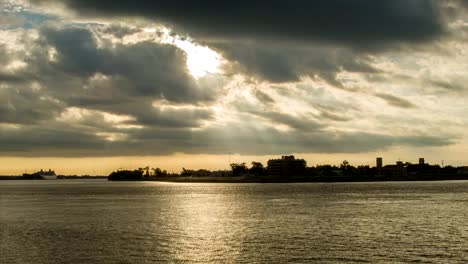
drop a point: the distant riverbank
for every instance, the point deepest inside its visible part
(266, 179)
(232, 179)
(60, 177)
(12, 178)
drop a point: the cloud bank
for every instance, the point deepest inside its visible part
(297, 76)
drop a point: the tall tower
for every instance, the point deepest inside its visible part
(421, 161)
(379, 164)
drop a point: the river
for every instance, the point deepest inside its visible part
(95, 221)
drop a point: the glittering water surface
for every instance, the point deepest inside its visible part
(94, 221)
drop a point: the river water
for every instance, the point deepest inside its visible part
(95, 221)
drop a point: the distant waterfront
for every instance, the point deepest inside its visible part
(290, 169)
(59, 177)
(231, 179)
(301, 179)
(285, 169)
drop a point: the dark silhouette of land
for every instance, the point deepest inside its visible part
(290, 169)
(49, 174)
(284, 169)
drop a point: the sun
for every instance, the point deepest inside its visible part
(201, 60)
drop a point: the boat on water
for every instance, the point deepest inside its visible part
(42, 174)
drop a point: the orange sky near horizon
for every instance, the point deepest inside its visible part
(175, 163)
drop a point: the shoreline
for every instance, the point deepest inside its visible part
(232, 179)
(299, 180)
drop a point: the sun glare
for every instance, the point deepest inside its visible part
(200, 60)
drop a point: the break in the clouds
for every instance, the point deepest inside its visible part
(116, 78)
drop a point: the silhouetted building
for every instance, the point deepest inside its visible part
(421, 161)
(379, 162)
(463, 170)
(414, 169)
(379, 166)
(395, 171)
(286, 166)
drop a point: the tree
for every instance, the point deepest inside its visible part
(326, 170)
(159, 173)
(239, 169)
(186, 173)
(344, 164)
(257, 169)
(125, 175)
(146, 170)
(347, 169)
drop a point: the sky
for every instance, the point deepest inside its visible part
(91, 86)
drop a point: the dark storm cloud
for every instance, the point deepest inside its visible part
(278, 63)
(142, 69)
(25, 106)
(6, 77)
(56, 105)
(464, 3)
(423, 141)
(282, 41)
(174, 117)
(153, 115)
(453, 5)
(119, 79)
(259, 141)
(77, 50)
(131, 80)
(358, 23)
(395, 101)
(48, 141)
(70, 141)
